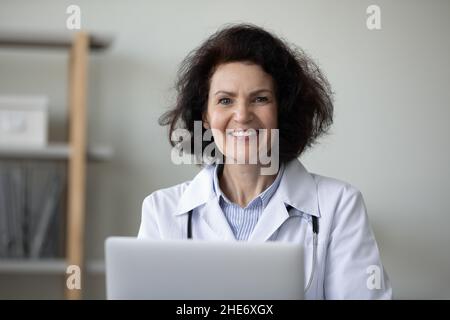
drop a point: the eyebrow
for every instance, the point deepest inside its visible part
(251, 93)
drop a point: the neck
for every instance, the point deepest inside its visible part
(241, 183)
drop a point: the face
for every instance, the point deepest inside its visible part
(241, 101)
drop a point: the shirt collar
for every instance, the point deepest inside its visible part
(296, 188)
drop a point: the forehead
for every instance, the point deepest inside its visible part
(235, 76)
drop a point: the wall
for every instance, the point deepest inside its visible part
(390, 137)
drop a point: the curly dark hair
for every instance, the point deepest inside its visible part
(304, 96)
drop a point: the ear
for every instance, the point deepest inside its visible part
(205, 122)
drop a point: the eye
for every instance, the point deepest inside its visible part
(225, 101)
(261, 99)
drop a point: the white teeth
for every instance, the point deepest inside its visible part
(242, 133)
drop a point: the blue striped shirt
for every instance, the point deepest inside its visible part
(243, 220)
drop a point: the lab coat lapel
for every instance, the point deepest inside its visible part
(213, 216)
(200, 194)
(273, 216)
(297, 189)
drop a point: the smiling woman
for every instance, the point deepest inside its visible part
(250, 89)
(241, 105)
(299, 91)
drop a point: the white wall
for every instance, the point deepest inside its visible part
(390, 137)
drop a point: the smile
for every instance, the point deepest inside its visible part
(243, 133)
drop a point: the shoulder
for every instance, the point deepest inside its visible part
(166, 197)
(333, 186)
(161, 209)
(184, 194)
(299, 177)
(155, 217)
(340, 203)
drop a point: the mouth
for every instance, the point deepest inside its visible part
(242, 133)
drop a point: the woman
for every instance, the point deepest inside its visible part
(259, 96)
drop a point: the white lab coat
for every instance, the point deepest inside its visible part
(348, 262)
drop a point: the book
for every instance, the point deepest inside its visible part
(31, 210)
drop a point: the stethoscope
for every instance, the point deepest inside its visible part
(315, 230)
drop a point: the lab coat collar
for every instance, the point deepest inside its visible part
(297, 188)
(199, 191)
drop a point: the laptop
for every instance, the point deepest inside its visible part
(203, 270)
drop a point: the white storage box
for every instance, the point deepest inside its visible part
(23, 121)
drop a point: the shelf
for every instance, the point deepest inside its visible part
(45, 266)
(50, 40)
(54, 151)
(76, 151)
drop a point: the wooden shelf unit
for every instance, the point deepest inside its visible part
(75, 151)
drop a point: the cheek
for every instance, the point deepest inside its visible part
(217, 125)
(269, 118)
(217, 120)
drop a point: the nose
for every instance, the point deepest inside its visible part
(243, 113)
